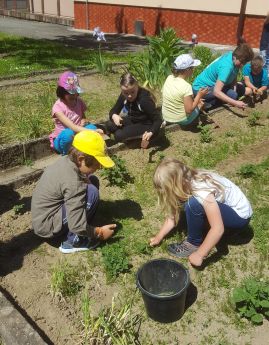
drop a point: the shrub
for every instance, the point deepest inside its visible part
(152, 66)
(115, 260)
(118, 175)
(251, 300)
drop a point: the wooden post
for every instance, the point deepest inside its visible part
(241, 22)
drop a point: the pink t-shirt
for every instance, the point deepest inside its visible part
(75, 114)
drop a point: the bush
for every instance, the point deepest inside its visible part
(251, 300)
(154, 65)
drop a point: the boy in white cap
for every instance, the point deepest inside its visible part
(179, 105)
(66, 196)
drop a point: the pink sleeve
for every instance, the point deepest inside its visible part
(83, 106)
(57, 108)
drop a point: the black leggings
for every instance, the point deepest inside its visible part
(129, 130)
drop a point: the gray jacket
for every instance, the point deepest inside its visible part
(61, 183)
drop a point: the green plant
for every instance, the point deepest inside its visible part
(114, 325)
(115, 260)
(251, 300)
(65, 280)
(153, 65)
(118, 175)
(101, 64)
(18, 209)
(249, 170)
(206, 56)
(205, 134)
(254, 118)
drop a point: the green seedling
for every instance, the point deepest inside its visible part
(205, 134)
(115, 260)
(251, 300)
(118, 175)
(18, 209)
(249, 170)
(254, 118)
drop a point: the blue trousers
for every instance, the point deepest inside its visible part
(64, 140)
(196, 219)
(213, 100)
(91, 204)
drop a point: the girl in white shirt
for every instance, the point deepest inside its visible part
(205, 196)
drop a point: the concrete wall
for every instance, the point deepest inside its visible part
(50, 7)
(210, 26)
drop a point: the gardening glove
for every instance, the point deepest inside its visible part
(104, 232)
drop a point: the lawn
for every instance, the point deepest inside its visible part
(88, 297)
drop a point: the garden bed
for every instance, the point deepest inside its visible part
(31, 267)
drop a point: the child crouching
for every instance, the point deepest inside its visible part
(66, 197)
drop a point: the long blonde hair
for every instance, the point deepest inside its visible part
(173, 181)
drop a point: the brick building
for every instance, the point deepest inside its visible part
(213, 21)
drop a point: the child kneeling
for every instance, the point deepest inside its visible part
(66, 196)
(205, 196)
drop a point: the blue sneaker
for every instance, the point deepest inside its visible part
(80, 243)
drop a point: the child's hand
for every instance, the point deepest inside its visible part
(105, 232)
(99, 130)
(203, 91)
(196, 259)
(147, 136)
(154, 241)
(117, 120)
(84, 122)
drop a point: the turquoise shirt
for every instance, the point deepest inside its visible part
(258, 80)
(222, 69)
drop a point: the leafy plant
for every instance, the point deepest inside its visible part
(206, 56)
(65, 280)
(118, 175)
(254, 118)
(251, 300)
(114, 325)
(205, 134)
(101, 64)
(249, 170)
(153, 65)
(115, 260)
(18, 209)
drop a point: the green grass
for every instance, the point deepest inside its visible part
(23, 56)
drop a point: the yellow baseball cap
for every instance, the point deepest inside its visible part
(93, 144)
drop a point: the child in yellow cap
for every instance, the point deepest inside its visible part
(67, 194)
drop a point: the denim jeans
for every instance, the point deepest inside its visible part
(196, 218)
(64, 140)
(213, 100)
(91, 204)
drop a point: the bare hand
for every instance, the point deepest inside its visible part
(99, 130)
(241, 105)
(117, 119)
(203, 91)
(196, 259)
(84, 122)
(105, 232)
(147, 136)
(154, 241)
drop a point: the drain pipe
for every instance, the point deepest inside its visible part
(241, 22)
(87, 16)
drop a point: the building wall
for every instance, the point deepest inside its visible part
(254, 7)
(50, 7)
(210, 27)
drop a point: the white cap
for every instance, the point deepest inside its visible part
(185, 61)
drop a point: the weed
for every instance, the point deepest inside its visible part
(28, 162)
(254, 118)
(205, 134)
(114, 325)
(142, 248)
(118, 175)
(18, 209)
(251, 300)
(249, 170)
(101, 64)
(229, 134)
(65, 280)
(115, 260)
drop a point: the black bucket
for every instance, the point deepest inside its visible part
(163, 284)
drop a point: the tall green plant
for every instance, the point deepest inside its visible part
(101, 64)
(153, 65)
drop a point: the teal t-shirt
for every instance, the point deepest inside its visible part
(258, 80)
(222, 69)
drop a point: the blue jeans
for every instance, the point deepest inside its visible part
(190, 118)
(91, 204)
(64, 140)
(213, 100)
(196, 218)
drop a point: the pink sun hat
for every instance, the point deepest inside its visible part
(69, 81)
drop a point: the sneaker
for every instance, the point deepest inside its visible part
(80, 243)
(182, 250)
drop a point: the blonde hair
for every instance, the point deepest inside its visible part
(173, 181)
